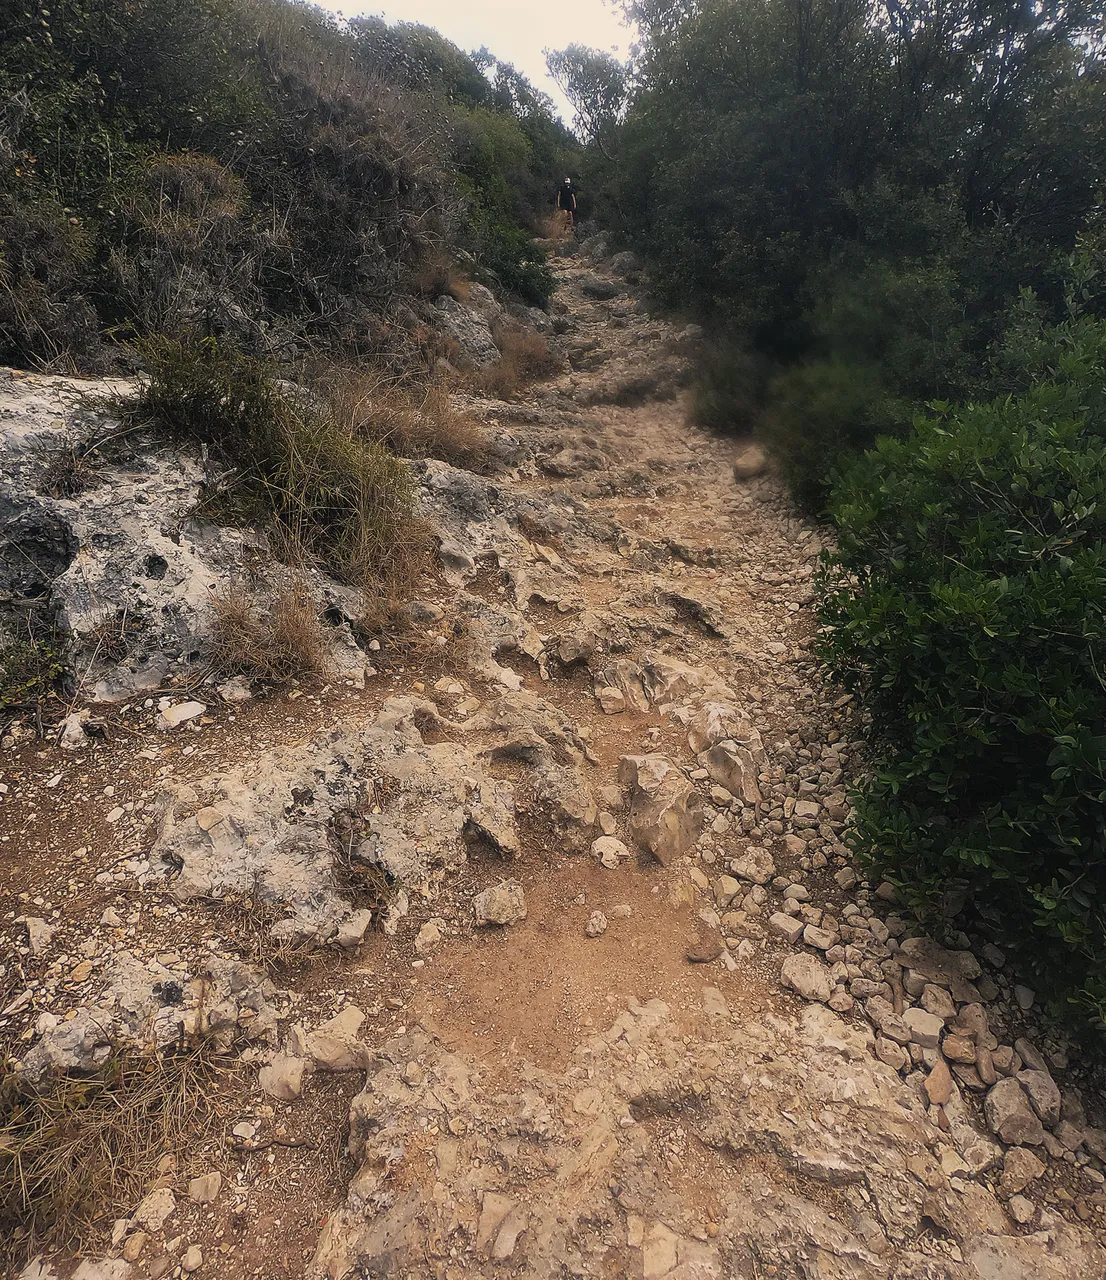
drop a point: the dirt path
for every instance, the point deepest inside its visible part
(629, 1093)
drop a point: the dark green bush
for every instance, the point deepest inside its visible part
(821, 415)
(967, 602)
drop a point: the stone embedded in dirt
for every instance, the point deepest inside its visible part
(235, 690)
(1044, 1096)
(133, 1246)
(846, 879)
(1010, 1116)
(706, 947)
(596, 925)
(283, 1077)
(502, 1220)
(352, 930)
(173, 716)
(334, 1046)
(732, 766)
(90, 1269)
(938, 1084)
(205, 1188)
(193, 1259)
(788, 927)
(1019, 1168)
(749, 463)
(156, 1209)
(73, 733)
(925, 1028)
(429, 936)
(500, 904)
(612, 701)
(667, 814)
(808, 976)
(39, 933)
(610, 852)
(755, 864)
(1022, 1210)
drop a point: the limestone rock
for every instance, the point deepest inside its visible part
(755, 864)
(1044, 1096)
(205, 1188)
(469, 329)
(610, 851)
(808, 976)
(334, 1046)
(925, 1028)
(282, 1078)
(938, 1084)
(173, 716)
(749, 463)
(612, 701)
(596, 925)
(788, 927)
(732, 766)
(500, 904)
(429, 936)
(667, 814)
(1009, 1115)
(1019, 1168)
(156, 1209)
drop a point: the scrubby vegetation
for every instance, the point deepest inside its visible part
(252, 170)
(852, 193)
(79, 1153)
(967, 601)
(328, 490)
(890, 219)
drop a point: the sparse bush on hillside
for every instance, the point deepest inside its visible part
(256, 170)
(77, 1154)
(331, 492)
(967, 601)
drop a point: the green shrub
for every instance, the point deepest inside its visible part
(821, 415)
(333, 494)
(967, 602)
(31, 670)
(729, 388)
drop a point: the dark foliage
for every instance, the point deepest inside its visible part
(967, 601)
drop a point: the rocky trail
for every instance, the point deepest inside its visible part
(537, 943)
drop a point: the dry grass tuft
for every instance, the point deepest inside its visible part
(437, 275)
(81, 1153)
(411, 421)
(338, 496)
(278, 639)
(525, 356)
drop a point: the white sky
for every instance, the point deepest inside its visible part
(516, 31)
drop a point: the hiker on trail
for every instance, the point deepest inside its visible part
(566, 203)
